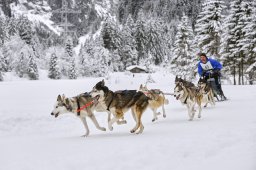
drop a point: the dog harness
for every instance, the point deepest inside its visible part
(79, 109)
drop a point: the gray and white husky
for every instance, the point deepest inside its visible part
(189, 96)
(74, 105)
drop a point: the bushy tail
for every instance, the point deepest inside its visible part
(166, 101)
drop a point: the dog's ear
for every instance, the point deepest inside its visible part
(67, 101)
(103, 82)
(59, 98)
(141, 86)
(63, 96)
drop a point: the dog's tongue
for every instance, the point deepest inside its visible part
(177, 98)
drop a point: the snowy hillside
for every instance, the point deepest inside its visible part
(30, 138)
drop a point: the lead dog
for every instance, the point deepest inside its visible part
(189, 96)
(73, 104)
(156, 100)
(120, 102)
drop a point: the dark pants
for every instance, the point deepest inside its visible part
(216, 76)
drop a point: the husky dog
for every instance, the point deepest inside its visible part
(72, 105)
(120, 102)
(190, 96)
(185, 83)
(207, 91)
(156, 100)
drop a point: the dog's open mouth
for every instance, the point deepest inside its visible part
(56, 115)
(177, 97)
(96, 99)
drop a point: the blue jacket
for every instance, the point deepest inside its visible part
(214, 63)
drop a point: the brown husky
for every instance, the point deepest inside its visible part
(156, 100)
(120, 102)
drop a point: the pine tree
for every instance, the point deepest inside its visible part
(233, 56)
(140, 36)
(111, 36)
(20, 67)
(208, 27)
(54, 72)
(72, 70)
(3, 66)
(128, 46)
(25, 30)
(249, 42)
(32, 71)
(154, 41)
(68, 66)
(7, 58)
(183, 62)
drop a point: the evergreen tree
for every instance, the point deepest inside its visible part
(140, 36)
(54, 72)
(208, 27)
(32, 71)
(3, 66)
(233, 56)
(111, 36)
(25, 29)
(7, 58)
(20, 67)
(183, 62)
(155, 42)
(249, 42)
(72, 70)
(68, 60)
(127, 50)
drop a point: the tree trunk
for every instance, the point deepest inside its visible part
(250, 78)
(239, 73)
(242, 71)
(234, 74)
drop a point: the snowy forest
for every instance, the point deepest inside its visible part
(104, 36)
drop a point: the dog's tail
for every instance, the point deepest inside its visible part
(166, 101)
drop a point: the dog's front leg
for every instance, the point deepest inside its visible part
(94, 120)
(190, 111)
(86, 126)
(155, 115)
(111, 122)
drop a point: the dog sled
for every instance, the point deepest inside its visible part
(213, 80)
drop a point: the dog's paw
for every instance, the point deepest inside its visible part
(154, 119)
(190, 119)
(199, 116)
(103, 129)
(132, 131)
(110, 128)
(164, 116)
(85, 135)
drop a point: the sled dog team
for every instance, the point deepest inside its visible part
(117, 103)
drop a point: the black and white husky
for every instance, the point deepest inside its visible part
(82, 105)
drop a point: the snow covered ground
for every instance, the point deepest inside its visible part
(30, 138)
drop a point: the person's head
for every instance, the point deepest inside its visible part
(203, 57)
